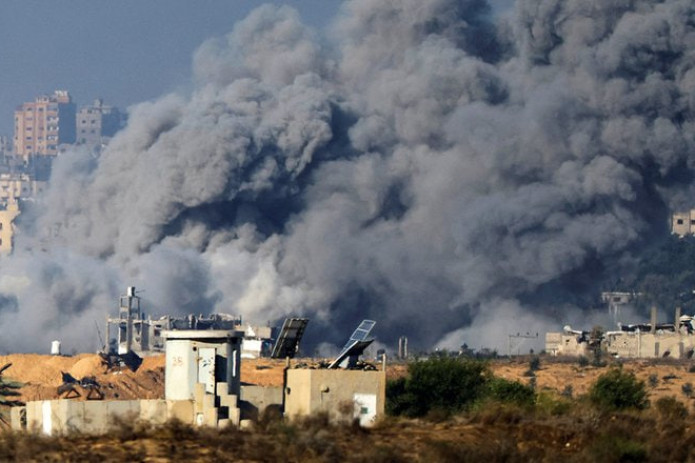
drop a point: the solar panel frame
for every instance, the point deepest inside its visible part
(354, 349)
(361, 332)
(287, 343)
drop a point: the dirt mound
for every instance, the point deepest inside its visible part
(40, 376)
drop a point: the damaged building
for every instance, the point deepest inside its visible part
(136, 332)
(645, 340)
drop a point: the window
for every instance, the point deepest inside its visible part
(679, 221)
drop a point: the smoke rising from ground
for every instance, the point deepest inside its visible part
(429, 165)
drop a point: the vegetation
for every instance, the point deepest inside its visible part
(618, 390)
(445, 385)
(502, 421)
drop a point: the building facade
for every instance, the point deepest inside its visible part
(41, 126)
(683, 223)
(8, 212)
(97, 123)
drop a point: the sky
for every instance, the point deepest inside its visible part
(125, 51)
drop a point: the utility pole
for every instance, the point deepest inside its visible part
(521, 338)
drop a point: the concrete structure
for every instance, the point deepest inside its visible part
(55, 417)
(19, 186)
(258, 341)
(44, 124)
(97, 123)
(255, 400)
(616, 300)
(202, 388)
(343, 394)
(144, 336)
(646, 340)
(567, 343)
(8, 213)
(205, 367)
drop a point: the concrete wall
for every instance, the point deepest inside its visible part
(683, 223)
(254, 400)
(208, 361)
(55, 417)
(343, 394)
(559, 344)
(650, 345)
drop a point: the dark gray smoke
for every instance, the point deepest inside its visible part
(456, 176)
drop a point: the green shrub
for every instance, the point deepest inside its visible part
(440, 383)
(618, 390)
(506, 391)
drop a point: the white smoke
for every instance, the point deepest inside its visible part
(429, 165)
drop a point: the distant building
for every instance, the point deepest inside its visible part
(97, 123)
(644, 340)
(44, 124)
(19, 186)
(8, 212)
(683, 223)
(144, 336)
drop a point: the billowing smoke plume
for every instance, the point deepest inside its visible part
(428, 165)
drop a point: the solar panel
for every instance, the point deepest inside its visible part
(355, 345)
(348, 356)
(287, 343)
(361, 333)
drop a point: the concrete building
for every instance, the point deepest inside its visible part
(645, 340)
(9, 211)
(144, 336)
(97, 123)
(205, 367)
(41, 126)
(202, 388)
(343, 394)
(569, 343)
(19, 186)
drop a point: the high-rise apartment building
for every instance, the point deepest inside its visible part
(44, 124)
(97, 123)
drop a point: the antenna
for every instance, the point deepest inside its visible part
(521, 338)
(101, 340)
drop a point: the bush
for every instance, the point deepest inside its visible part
(506, 391)
(440, 383)
(671, 409)
(618, 390)
(687, 389)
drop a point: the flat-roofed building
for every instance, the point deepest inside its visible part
(44, 124)
(97, 123)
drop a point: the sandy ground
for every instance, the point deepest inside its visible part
(40, 375)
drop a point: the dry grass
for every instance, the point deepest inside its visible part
(497, 433)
